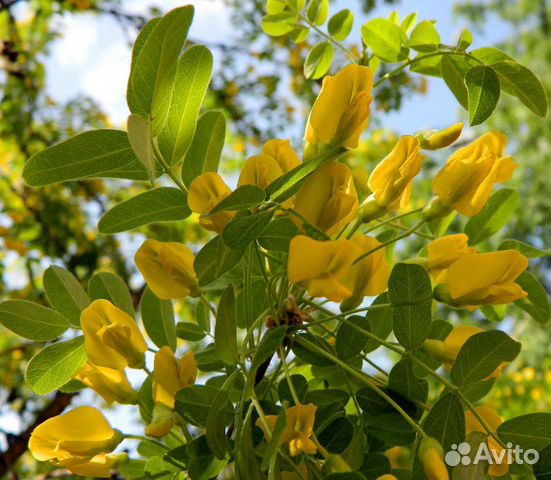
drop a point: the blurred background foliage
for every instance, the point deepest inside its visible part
(57, 224)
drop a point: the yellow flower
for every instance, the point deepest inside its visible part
(162, 421)
(487, 278)
(300, 426)
(392, 179)
(74, 438)
(260, 170)
(167, 268)
(321, 266)
(205, 192)
(442, 252)
(368, 277)
(341, 112)
(170, 375)
(328, 198)
(437, 139)
(431, 455)
(282, 152)
(111, 384)
(466, 181)
(112, 337)
(493, 420)
(99, 466)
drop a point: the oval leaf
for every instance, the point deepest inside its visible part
(111, 287)
(164, 204)
(319, 60)
(483, 92)
(340, 25)
(529, 431)
(243, 230)
(385, 39)
(99, 153)
(33, 321)
(225, 330)
(54, 366)
(537, 302)
(158, 319)
(243, 197)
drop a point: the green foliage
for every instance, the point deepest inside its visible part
(158, 319)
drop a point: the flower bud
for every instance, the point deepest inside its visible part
(437, 139)
(162, 421)
(431, 456)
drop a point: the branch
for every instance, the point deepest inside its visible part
(18, 446)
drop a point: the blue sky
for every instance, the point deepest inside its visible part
(93, 56)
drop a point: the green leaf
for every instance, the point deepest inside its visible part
(525, 248)
(55, 365)
(206, 146)
(318, 11)
(542, 469)
(158, 319)
(380, 322)
(215, 259)
(385, 39)
(307, 354)
(275, 6)
(446, 421)
(481, 354)
(287, 185)
(403, 380)
(465, 40)
(424, 38)
(278, 234)
(175, 119)
(154, 58)
(490, 55)
(528, 431)
(271, 450)
(239, 233)
(139, 136)
(521, 82)
(537, 302)
(337, 436)
(225, 330)
(243, 197)
(190, 331)
(163, 204)
(95, 154)
(493, 217)
(349, 342)
(65, 293)
(409, 290)
(409, 22)
(193, 403)
(319, 60)
(453, 70)
(33, 321)
(483, 92)
(430, 66)
(340, 25)
(111, 287)
(218, 418)
(279, 24)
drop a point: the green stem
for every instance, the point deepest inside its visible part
(363, 378)
(143, 438)
(393, 219)
(168, 169)
(407, 233)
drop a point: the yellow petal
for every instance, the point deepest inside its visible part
(442, 252)
(111, 384)
(490, 416)
(282, 152)
(260, 170)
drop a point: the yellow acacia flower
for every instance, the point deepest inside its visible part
(299, 429)
(466, 181)
(493, 420)
(167, 268)
(170, 375)
(368, 277)
(391, 180)
(320, 266)
(442, 252)
(205, 192)
(260, 170)
(341, 112)
(111, 384)
(112, 337)
(487, 278)
(282, 152)
(74, 438)
(328, 198)
(431, 456)
(99, 466)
